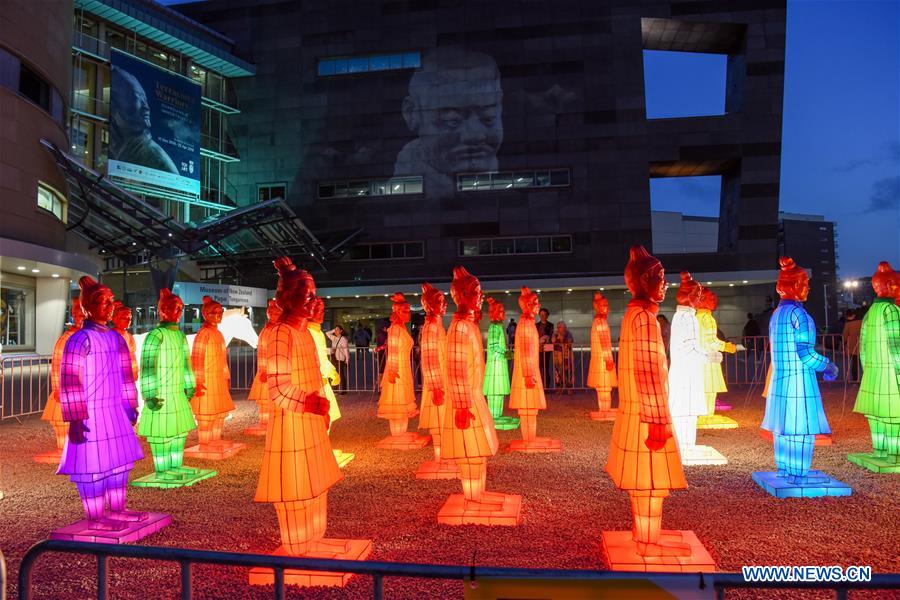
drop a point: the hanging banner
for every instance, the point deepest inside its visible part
(230, 296)
(154, 127)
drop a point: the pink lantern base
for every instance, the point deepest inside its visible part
(325, 548)
(80, 531)
(621, 551)
(410, 440)
(493, 509)
(217, 450)
(434, 469)
(51, 457)
(539, 445)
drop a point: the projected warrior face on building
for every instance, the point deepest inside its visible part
(454, 107)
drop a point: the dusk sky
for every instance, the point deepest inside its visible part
(841, 128)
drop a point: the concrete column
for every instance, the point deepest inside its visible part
(51, 298)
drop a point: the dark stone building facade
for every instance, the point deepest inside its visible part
(516, 131)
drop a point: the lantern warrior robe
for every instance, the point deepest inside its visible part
(259, 389)
(602, 369)
(496, 378)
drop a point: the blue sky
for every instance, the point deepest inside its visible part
(841, 127)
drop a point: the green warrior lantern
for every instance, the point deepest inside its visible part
(879, 392)
(496, 377)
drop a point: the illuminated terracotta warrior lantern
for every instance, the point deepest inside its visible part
(687, 400)
(433, 345)
(98, 399)
(643, 455)
(879, 391)
(330, 375)
(298, 465)
(794, 412)
(496, 377)
(167, 385)
(468, 435)
(714, 380)
(397, 403)
(602, 369)
(212, 399)
(52, 412)
(527, 389)
(259, 390)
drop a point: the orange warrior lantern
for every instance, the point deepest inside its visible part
(467, 434)
(714, 381)
(298, 466)
(52, 412)
(433, 344)
(212, 399)
(526, 392)
(330, 375)
(397, 403)
(602, 371)
(121, 321)
(643, 455)
(259, 390)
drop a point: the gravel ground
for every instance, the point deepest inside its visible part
(567, 501)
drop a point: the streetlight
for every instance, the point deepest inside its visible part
(850, 285)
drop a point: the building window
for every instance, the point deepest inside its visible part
(666, 94)
(270, 191)
(387, 251)
(543, 244)
(371, 187)
(348, 65)
(477, 182)
(51, 201)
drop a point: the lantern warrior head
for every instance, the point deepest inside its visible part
(317, 310)
(886, 281)
(400, 309)
(170, 306)
(708, 299)
(78, 315)
(296, 288)
(466, 293)
(689, 292)
(434, 301)
(211, 310)
(496, 312)
(121, 318)
(793, 282)
(97, 300)
(273, 311)
(601, 305)
(528, 302)
(645, 276)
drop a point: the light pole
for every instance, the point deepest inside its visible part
(825, 296)
(851, 285)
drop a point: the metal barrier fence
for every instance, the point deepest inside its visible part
(186, 558)
(25, 380)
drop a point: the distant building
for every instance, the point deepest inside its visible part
(675, 233)
(811, 241)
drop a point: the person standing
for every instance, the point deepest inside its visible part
(545, 340)
(511, 333)
(340, 350)
(563, 358)
(850, 341)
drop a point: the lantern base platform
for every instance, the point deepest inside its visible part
(702, 455)
(607, 414)
(218, 450)
(410, 440)
(172, 480)
(817, 484)
(434, 469)
(326, 548)
(343, 458)
(493, 509)
(504, 423)
(538, 445)
(51, 457)
(721, 406)
(822, 439)
(258, 429)
(134, 530)
(876, 464)
(716, 422)
(622, 553)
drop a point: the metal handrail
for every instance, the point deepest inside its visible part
(378, 570)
